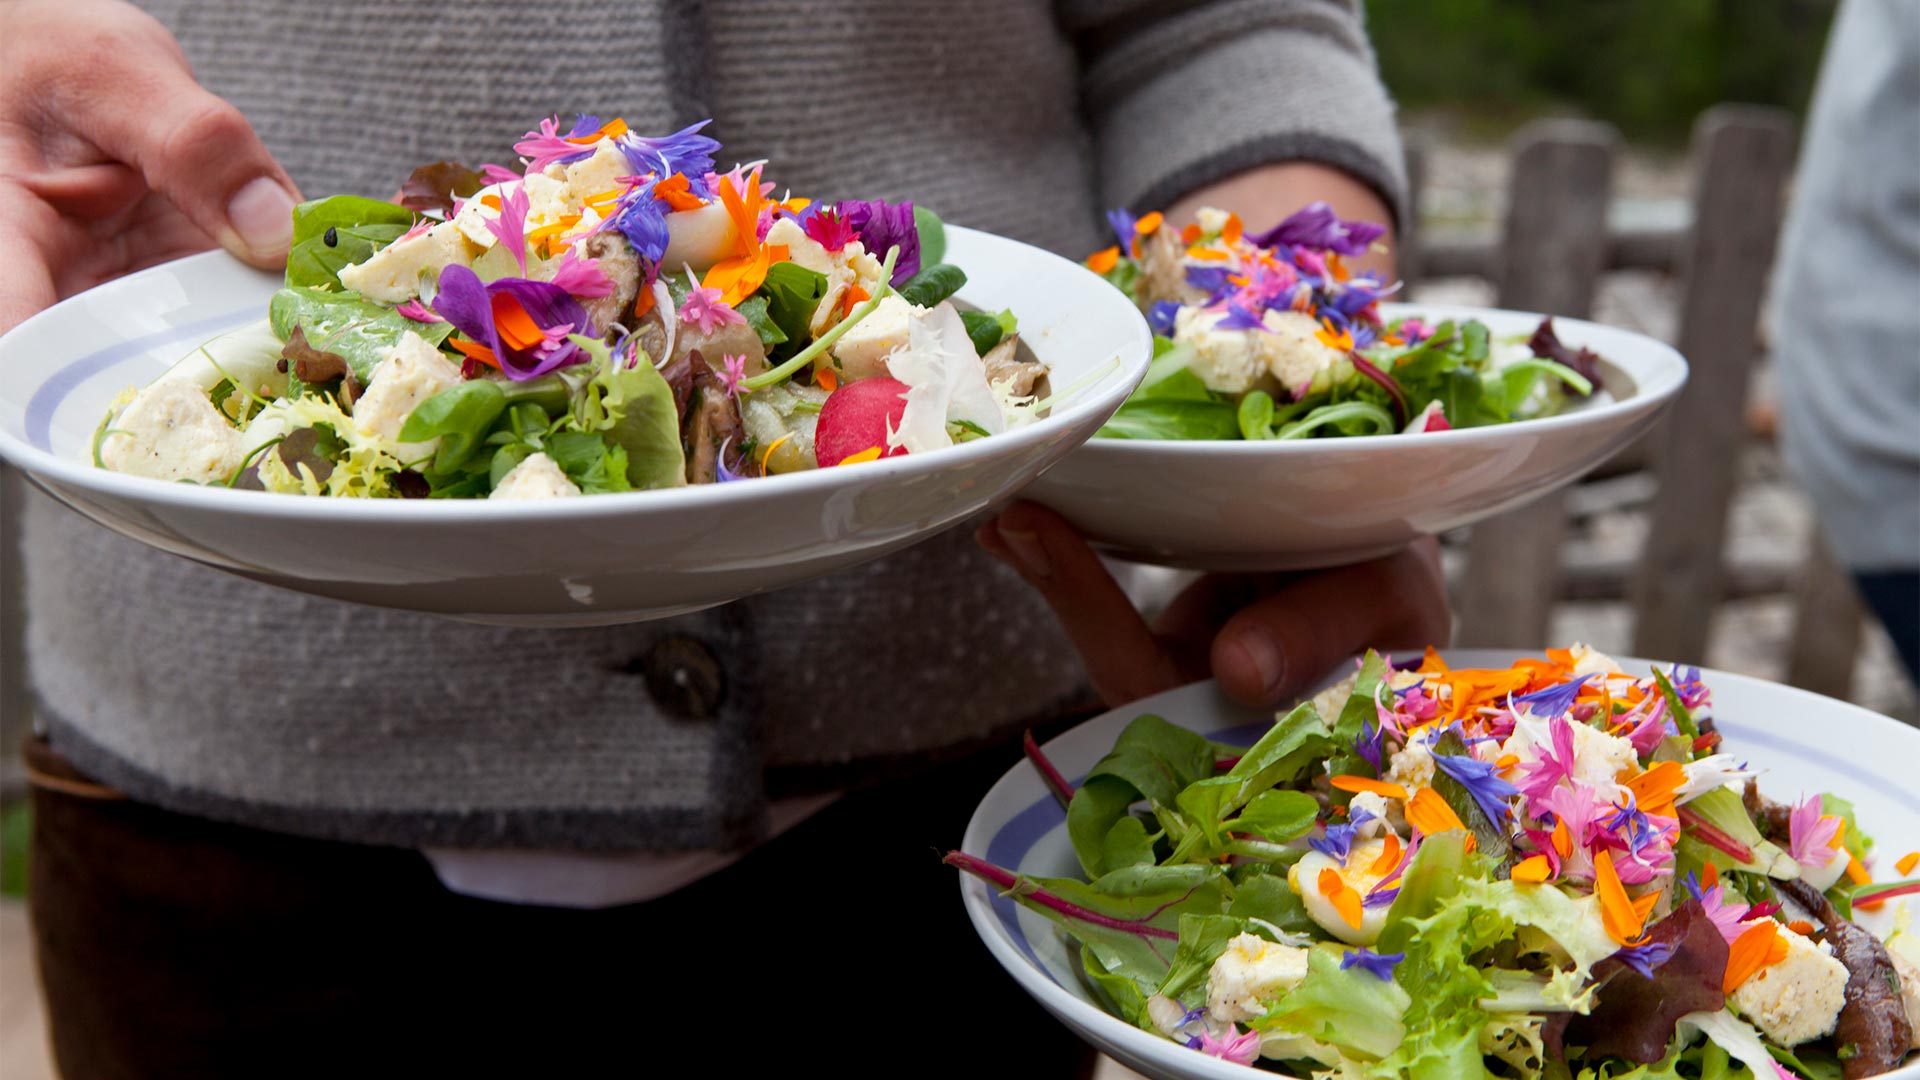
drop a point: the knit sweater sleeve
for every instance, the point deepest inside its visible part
(1180, 95)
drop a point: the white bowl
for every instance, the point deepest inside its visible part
(1309, 503)
(567, 562)
(1807, 743)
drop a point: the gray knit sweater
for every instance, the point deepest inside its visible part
(205, 693)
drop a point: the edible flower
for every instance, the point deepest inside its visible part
(1430, 814)
(1625, 918)
(1758, 946)
(1386, 789)
(415, 310)
(1812, 837)
(732, 374)
(1379, 965)
(1125, 230)
(1725, 916)
(686, 152)
(1489, 792)
(1239, 1047)
(738, 276)
(581, 277)
(1317, 226)
(1338, 842)
(509, 226)
(516, 324)
(705, 309)
(1239, 318)
(1554, 700)
(883, 225)
(1646, 957)
(828, 229)
(1545, 773)
(548, 147)
(1344, 898)
(1161, 315)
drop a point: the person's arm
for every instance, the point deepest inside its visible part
(1258, 108)
(113, 158)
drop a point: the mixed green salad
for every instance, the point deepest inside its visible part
(1272, 336)
(1549, 870)
(611, 315)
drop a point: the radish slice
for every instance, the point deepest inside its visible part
(857, 417)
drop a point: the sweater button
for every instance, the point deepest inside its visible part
(684, 678)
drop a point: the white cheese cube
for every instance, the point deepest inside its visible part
(536, 477)
(1228, 361)
(863, 350)
(408, 374)
(392, 274)
(1799, 998)
(595, 175)
(1253, 970)
(1412, 766)
(171, 431)
(1291, 351)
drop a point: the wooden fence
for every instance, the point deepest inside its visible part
(1553, 250)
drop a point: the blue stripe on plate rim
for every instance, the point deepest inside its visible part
(49, 395)
(1010, 845)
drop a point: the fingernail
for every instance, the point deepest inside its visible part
(261, 214)
(1027, 551)
(1264, 658)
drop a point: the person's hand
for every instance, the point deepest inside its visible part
(1266, 637)
(113, 158)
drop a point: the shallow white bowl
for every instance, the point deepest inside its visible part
(567, 562)
(1807, 744)
(1309, 503)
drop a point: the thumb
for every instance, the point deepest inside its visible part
(195, 150)
(1279, 647)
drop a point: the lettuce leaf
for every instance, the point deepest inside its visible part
(334, 233)
(1351, 1009)
(1152, 759)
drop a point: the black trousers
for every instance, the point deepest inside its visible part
(171, 946)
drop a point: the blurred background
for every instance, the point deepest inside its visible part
(1564, 154)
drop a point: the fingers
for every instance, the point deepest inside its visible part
(1124, 660)
(124, 87)
(1280, 646)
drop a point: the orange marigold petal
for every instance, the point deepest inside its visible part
(1189, 234)
(473, 350)
(1346, 901)
(1102, 261)
(1624, 918)
(871, 453)
(825, 379)
(1389, 856)
(1748, 954)
(1857, 873)
(1532, 870)
(1907, 862)
(1148, 223)
(1384, 788)
(1233, 229)
(1710, 876)
(1429, 813)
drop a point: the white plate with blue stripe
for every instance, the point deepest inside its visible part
(598, 560)
(1805, 742)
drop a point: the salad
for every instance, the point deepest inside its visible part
(1549, 870)
(1272, 336)
(610, 315)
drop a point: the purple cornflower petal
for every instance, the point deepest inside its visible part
(1338, 842)
(1379, 965)
(1210, 279)
(1378, 897)
(642, 219)
(1317, 226)
(1239, 318)
(1161, 315)
(1371, 742)
(1643, 959)
(1554, 700)
(685, 151)
(1124, 231)
(1481, 782)
(884, 225)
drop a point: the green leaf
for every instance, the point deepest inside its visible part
(1270, 899)
(595, 466)
(1152, 759)
(1124, 997)
(341, 322)
(1355, 715)
(460, 417)
(1097, 806)
(1857, 842)
(986, 330)
(1256, 416)
(792, 293)
(1348, 417)
(933, 235)
(360, 227)
(1352, 1009)
(1202, 939)
(754, 310)
(1682, 717)
(1174, 419)
(633, 408)
(934, 283)
(1277, 816)
(1121, 953)
(1127, 844)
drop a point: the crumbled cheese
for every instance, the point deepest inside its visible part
(536, 477)
(863, 350)
(1251, 971)
(1799, 998)
(171, 431)
(392, 274)
(409, 373)
(1412, 766)
(1291, 351)
(1227, 361)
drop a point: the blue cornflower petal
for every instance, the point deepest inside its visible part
(1379, 965)
(1554, 700)
(1161, 315)
(1481, 782)
(1123, 221)
(1645, 958)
